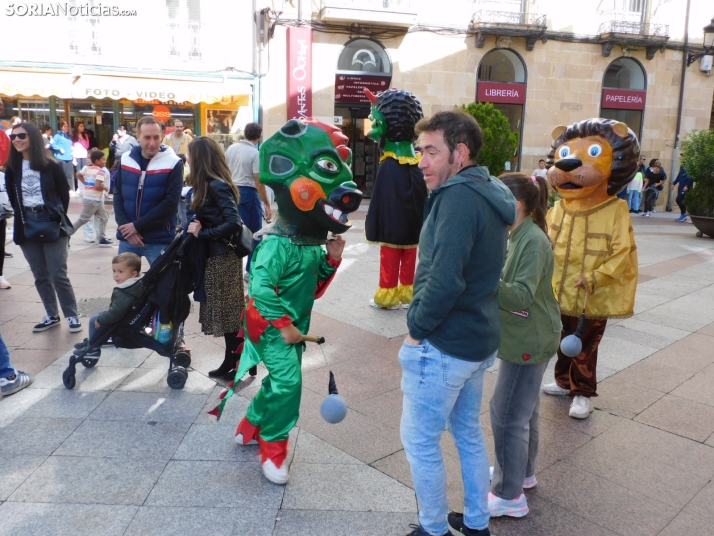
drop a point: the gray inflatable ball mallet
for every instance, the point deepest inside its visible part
(334, 408)
(572, 345)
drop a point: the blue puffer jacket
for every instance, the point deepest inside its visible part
(149, 199)
(63, 141)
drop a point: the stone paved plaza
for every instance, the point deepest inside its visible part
(123, 454)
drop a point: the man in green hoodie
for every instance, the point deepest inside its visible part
(454, 332)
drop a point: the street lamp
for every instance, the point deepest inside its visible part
(708, 45)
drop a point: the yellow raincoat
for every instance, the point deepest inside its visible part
(598, 246)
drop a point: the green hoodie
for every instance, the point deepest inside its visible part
(462, 248)
(530, 314)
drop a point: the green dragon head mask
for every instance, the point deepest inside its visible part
(307, 164)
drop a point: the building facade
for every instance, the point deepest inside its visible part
(543, 63)
(106, 65)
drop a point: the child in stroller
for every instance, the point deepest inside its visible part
(126, 268)
(145, 312)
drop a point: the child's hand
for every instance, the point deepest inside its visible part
(97, 324)
(291, 334)
(336, 247)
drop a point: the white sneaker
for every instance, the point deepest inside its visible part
(555, 389)
(373, 304)
(581, 407)
(277, 475)
(4, 283)
(239, 440)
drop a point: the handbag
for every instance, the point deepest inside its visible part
(242, 241)
(40, 228)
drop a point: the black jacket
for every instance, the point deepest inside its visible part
(219, 218)
(55, 193)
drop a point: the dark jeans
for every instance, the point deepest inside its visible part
(3, 226)
(515, 421)
(251, 212)
(48, 262)
(650, 199)
(679, 201)
(68, 169)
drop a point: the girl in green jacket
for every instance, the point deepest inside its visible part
(530, 334)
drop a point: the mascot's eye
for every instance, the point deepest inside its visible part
(564, 151)
(594, 150)
(327, 165)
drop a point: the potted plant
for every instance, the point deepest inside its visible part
(499, 142)
(698, 159)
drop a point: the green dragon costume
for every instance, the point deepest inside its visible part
(307, 164)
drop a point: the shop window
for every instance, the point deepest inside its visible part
(502, 81)
(624, 93)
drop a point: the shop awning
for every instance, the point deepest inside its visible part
(68, 86)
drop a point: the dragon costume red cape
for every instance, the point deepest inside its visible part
(307, 165)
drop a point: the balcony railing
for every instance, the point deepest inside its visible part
(395, 13)
(634, 28)
(515, 18)
(379, 5)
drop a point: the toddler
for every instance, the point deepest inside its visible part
(126, 268)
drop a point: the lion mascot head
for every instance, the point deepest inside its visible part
(593, 159)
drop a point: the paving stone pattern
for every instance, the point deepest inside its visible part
(123, 454)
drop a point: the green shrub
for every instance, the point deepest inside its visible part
(499, 142)
(698, 158)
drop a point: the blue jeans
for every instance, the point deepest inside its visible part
(6, 370)
(251, 212)
(442, 391)
(150, 251)
(634, 199)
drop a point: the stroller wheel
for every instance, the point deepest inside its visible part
(182, 359)
(69, 379)
(177, 378)
(88, 362)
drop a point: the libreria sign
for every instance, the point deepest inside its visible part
(501, 92)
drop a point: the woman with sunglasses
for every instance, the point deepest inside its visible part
(39, 194)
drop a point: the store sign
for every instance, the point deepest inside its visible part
(299, 73)
(499, 92)
(623, 99)
(161, 113)
(349, 88)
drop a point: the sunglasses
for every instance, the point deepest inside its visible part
(20, 136)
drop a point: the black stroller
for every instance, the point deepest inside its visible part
(167, 287)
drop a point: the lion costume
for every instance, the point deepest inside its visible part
(306, 163)
(593, 241)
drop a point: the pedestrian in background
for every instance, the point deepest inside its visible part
(541, 171)
(95, 178)
(214, 219)
(655, 178)
(454, 331)
(244, 163)
(530, 335)
(177, 140)
(11, 379)
(684, 184)
(80, 148)
(39, 193)
(5, 208)
(634, 193)
(63, 153)
(50, 145)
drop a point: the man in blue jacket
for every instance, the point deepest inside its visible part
(685, 183)
(62, 151)
(147, 193)
(454, 332)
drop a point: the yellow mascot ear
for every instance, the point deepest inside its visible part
(557, 131)
(620, 129)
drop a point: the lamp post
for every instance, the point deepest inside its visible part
(708, 45)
